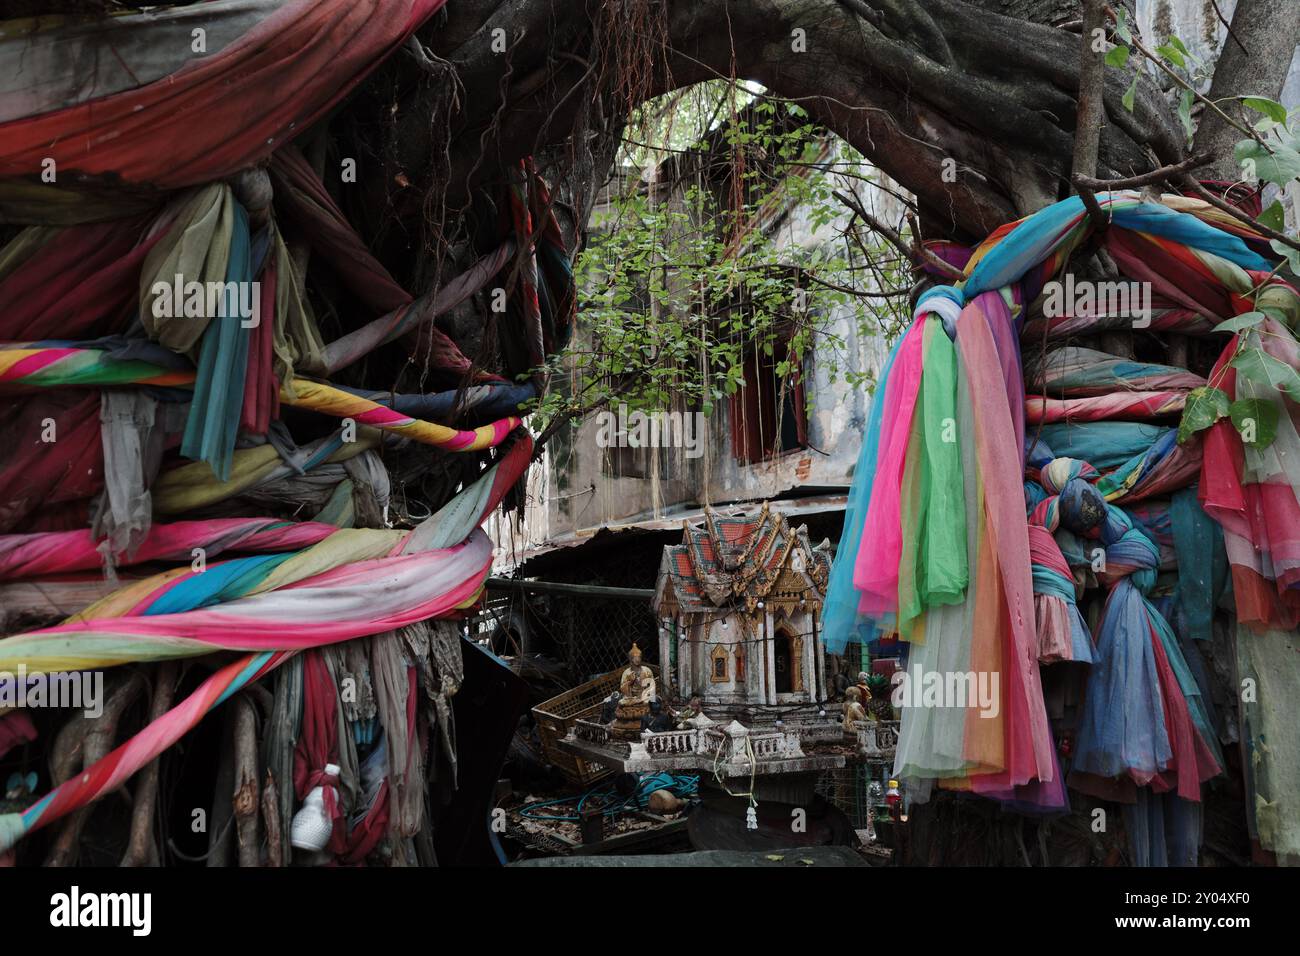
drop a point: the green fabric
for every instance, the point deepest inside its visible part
(197, 248)
(23, 246)
(1202, 562)
(296, 340)
(30, 202)
(933, 567)
(339, 510)
(1268, 672)
(213, 424)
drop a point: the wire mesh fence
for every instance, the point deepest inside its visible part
(579, 635)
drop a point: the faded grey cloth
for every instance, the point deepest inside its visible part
(134, 428)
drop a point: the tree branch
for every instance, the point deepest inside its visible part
(915, 254)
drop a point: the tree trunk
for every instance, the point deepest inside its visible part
(1270, 31)
(910, 83)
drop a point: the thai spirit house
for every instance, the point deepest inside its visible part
(739, 602)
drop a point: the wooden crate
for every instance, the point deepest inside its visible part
(555, 717)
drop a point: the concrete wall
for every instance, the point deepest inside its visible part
(582, 494)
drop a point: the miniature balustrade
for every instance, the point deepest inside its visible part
(724, 744)
(591, 732)
(877, 737)
(672, 742)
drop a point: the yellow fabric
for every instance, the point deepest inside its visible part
(193, 486)
(125, 598)
(342, 547)
(23, 246)
(197, 248)
(296, 341)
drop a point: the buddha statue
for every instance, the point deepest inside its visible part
(636, 689)
(853, 710)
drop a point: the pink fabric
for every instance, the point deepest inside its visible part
(334, 608)
(1029, 741)
(15, 728)
(876, 572)
(62, 552)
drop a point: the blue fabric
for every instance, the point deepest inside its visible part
(218, 583)
(1103, 445)
(1036, 236)
(1022, 248)
(213, 423)
(1202, 562)
(1186, 229)
(841, 622)
(1123, 722)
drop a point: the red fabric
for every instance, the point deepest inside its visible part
(224, 112)
(1255, 512)
(318, 741)
(303, 202)
(1181, 279)
(261, 388)
(1192, 762)
(15, 728)
(82, 284)
(318, 745)
(36, 475)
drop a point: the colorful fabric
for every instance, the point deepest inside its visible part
(1137, 719)
(39, 555)
(50, 366)
(1073, 372)
(1096, 408)
(456, 522)
(1145, 722)
(285, 66)
(1254, 493)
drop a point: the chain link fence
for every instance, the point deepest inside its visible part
(571, 636)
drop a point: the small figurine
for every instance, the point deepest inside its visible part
(853, 711)
(864, 688)
(661, 718)
(608, 708)
(637, 687)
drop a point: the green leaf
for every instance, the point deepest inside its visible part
(1244, 321)
(1270, 108)
(1274, 216)
(1280, 167)
(1205, 406)
(1117, 56)
(1130, 94)
(1256, 419)
(1172, 54)
(1182, 48)
(1260, 367)
(1121, 26)
(1185, 112)
(1292, 256)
